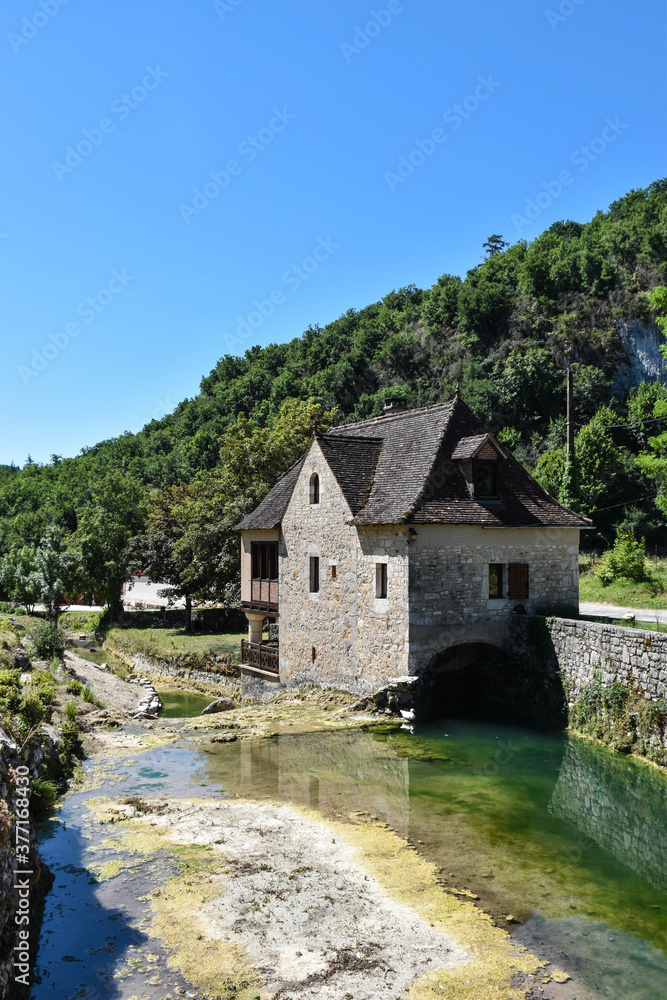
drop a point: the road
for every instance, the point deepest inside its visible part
(613, 611)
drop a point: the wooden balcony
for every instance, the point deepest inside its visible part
(264, 597)
(261, 655)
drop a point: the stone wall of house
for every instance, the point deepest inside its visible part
(449, 589)
(342, 635)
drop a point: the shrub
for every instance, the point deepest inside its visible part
(70, 712)
(43, 684)
(31, 709)
(627, 559)
(43, 795)
(70, 740)
(47, 640)
(75, 687)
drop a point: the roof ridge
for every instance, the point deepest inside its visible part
(386, 417)
(348, 437)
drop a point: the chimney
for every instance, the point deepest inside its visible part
(394, 405)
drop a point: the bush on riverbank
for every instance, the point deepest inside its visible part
(623, 720)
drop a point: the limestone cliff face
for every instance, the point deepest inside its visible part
(641, 360)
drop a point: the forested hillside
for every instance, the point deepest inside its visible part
(505, 333)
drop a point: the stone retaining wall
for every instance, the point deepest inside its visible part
(581, 661)
(634, 657)
(213, 680)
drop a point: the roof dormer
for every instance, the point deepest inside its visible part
(477, 457)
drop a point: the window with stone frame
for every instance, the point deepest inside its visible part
(381, 581)
(314, 574)
(518, 582)
(496, 575)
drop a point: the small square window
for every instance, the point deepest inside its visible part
(381, 581)
(314, 574)
(495, 581)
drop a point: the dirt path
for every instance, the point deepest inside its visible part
(116, 693)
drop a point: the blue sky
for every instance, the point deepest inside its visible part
(354, 147)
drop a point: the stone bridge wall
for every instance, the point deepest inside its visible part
(634, 657)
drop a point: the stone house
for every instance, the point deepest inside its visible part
(392, 546)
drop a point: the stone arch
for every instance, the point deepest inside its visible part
(463, 679)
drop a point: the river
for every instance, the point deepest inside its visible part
(561, 840)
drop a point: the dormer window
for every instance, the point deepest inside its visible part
(486, 480)
(314, 488)
(477, 458)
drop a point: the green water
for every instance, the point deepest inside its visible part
(98, 655)
(182, 704)
(565, 837)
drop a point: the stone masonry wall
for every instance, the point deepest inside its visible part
(449, 591)
(342, 636)
(632, 656)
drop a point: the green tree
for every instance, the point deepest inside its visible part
(20, 577)
(114, 514)
(56, 570)
(654, 462)
(159, 549)
(569, 493)
(529, 383)
(253, 459)
(494, 245)
(658, 299)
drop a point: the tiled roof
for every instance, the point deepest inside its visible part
(403, 468)
(468, 447)
(410, 442)
(353, 462)
(270, 511)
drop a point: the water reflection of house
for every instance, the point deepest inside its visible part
(337, 773)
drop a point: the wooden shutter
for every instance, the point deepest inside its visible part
(517, 582)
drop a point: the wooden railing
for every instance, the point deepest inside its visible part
(262, 655)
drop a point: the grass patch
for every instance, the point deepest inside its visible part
(159, 642)
(627, 593)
